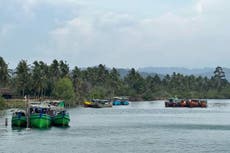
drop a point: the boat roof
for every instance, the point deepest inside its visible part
(19, 110)
(100, 100)
(120, 98)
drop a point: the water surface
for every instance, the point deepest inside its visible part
(141, 127)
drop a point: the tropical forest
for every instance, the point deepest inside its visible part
(58, 81)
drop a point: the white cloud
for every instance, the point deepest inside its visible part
(213, 6)
(199, 7)
(115, 35)
(110, 37)
(93, 35)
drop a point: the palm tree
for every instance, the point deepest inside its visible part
(114, 81)
(54, 70)
(135, 82)
(40, 77)
(64, 69)
(219, 77)
(23, 77)
(4, 73)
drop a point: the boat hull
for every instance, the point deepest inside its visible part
(98, 105)
(187, 103)
(120, 101)
(116, 102)
(18, 121)
(124, 103)
(40, 120)
(61, 120)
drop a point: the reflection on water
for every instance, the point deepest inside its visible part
(219, 105)
(139, 127)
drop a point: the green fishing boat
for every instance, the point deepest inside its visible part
(40, 116)
(40, 120)
(62, 118)
(19, 119)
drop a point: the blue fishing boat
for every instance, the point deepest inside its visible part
(120, 101)
(125, 101)
(116, 101)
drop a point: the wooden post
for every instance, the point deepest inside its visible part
(6, 121)
(27, 113)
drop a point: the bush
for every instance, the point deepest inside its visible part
(64, 89)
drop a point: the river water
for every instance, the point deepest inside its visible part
(141, 127)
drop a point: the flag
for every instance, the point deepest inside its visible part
(61, 104)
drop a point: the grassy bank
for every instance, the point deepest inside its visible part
(14, 103)
(21, 103)
(2, 103)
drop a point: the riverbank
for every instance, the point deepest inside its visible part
(15, 103)
(21, 103)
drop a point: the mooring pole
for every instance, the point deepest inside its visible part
(6, 121)
(27, 112)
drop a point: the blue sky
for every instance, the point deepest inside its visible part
(117, 33)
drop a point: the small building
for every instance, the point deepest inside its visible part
(6, 93)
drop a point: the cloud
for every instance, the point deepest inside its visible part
(91, 39)
(199, 7)
(113, 36)
(85, 34)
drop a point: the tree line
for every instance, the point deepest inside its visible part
(75, 85)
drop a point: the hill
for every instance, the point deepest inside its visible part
(208, 72)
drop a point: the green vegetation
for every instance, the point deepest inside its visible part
(2, 103)
(59, 82)
(4, 73)
(14, 103)
(63, 89)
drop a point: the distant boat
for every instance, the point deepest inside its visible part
(174, 102)
(88, 104)
(116, 101)
(19, 118)
(197, 103)
(98, 103)
(120, 101)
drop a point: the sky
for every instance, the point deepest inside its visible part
(116, 33)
